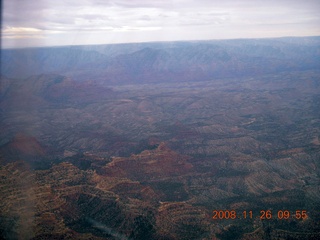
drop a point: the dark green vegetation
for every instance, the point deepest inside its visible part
(152, 160)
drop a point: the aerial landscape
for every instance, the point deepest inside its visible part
(191, 138)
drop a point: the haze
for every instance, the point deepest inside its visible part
(48, 23)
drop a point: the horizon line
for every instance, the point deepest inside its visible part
(164, 41)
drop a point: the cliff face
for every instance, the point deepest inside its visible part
(65, 201)
(127, 201)
(149, 165)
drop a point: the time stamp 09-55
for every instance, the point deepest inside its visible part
(262, 214)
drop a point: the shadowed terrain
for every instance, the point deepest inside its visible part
(146, 141)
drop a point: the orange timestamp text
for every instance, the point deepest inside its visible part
(263, 214)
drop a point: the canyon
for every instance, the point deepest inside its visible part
(146, 141)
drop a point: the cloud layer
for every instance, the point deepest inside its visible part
(46, 22)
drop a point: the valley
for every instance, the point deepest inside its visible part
(90, 159)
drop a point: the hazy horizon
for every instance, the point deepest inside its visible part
(148, 42)
(66, 23)
(200, 121)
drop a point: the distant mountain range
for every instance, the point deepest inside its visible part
(128, 141)
(166, 61)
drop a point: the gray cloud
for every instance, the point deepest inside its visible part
(144, 20)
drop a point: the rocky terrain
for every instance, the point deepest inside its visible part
(91, 159)
(165, 61)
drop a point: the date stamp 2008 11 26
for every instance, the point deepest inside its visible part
(263, 215)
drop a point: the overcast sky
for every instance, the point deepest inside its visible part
(74, 22)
